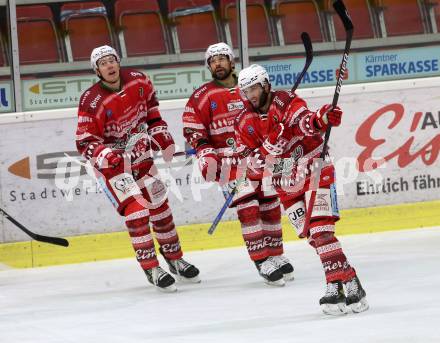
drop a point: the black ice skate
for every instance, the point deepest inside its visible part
(161, 279)
(270, 272)
(183, 270)
(356, 296)
(284, 265)
(333, 301)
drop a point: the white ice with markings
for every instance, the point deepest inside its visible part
(111, 301)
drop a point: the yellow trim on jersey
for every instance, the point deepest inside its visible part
(106, 246)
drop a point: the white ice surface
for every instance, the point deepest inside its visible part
(111, 301)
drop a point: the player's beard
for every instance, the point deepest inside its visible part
(221, 74)
(263, 99)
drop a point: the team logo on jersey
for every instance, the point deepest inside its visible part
(251, 130)
(213, 105)
(109, 113)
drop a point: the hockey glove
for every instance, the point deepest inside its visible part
(107, 158)
(328, 115)
(209, 163)
(277, 140)
(161, 139)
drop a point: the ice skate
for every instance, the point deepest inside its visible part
(270, 272)
(356, 296)
(183, 270)
(161, 279)
(333, 301)
(284, 265)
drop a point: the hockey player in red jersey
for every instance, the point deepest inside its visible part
(118, 125)
(282, 137)
(208, 126)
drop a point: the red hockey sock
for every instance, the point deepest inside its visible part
(136, 219)
(165, 231)
(327, 246)
(270, 214)
(249, 215)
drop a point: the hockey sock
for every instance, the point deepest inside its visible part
(249, 215)
(136, 219)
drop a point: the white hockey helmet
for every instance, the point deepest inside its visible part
(219, 49)
(252, 75)
(102, 51)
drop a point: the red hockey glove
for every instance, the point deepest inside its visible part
(276, 141)
(209, 163)
(161, 139)
(107, 158)
(328, 115)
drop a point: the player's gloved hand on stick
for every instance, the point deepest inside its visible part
(276, 141)
(328, 115)
(107, 158)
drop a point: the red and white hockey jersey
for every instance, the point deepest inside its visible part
(209, 118)
(291, 169)
(118, 120)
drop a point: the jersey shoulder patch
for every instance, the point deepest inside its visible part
(91, 99)
(128, 74)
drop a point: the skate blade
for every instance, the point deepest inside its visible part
(339, 309)
(170, 289)
(278, 283)
(359, 307)
(195, 279)
(288, 276)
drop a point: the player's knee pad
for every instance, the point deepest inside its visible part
(248, 211)
(270, 209)
(162, 217)
(325, 206)
(322, 232)
(136, 215)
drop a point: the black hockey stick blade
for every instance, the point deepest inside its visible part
(309, 58)
(307, 42)
(343, 14)
(46, 239)
(51, 240)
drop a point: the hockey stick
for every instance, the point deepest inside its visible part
(225, 206)
(314, 182)
(46, 239)
(309, 58)
(185, 153)
(56, 240)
